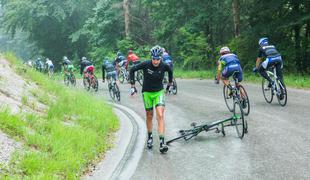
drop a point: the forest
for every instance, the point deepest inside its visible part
(192, 31)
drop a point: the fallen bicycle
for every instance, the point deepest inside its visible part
(236, 120)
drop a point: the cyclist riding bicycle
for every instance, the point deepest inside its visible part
(153, 93)
(119, 60)
(39, 64)
(273, 58)
(86, 67)
(50, 66)
(167, 58)
(132, 59)
(229, 65)
(68, 66)
(110, 68)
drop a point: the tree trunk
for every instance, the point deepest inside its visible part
(127, 20)
(296, 29)
(235, 10)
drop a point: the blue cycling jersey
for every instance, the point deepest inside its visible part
(229, 59)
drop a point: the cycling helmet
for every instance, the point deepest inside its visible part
(118, 53)
(263, 41)
(84, 58)
(105, 60)
(224, 50)
(130, 51)
(156, 52)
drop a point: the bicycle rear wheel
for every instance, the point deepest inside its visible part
(66, 80)
(282, 96)
(117, 92)
(245, 100)
(95, 83)
(238, 119)
(174, 87)
(228, 97)
(111, 91)
(267, 91)
(73, 80)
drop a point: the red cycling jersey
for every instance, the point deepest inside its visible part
(131, 57)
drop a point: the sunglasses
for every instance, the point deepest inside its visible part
(156, 58)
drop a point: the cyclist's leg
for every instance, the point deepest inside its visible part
(160, 109)
(115, 77)
(226, 73)
(278, 67)
(262, 70)
(148, 104)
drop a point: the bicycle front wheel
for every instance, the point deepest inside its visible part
(140, 77)
(238, 119)
(86, 83)
(282, 95)
(267, 91)
(121, 77)
(228, 97)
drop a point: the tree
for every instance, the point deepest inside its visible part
(235, 9)
(126, 17)
(49, 24)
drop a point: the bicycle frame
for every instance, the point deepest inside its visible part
(274, 77)
(190, 133)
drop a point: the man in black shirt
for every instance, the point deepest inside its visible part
(86, 66)
(153, 93)
(272, 58)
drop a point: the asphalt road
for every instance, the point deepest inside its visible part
(276, 147)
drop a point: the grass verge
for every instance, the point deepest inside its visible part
(291, 80)
(61, 143)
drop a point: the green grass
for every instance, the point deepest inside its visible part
(60, 144)
(291, 80)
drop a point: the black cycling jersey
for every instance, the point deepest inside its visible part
(268, 51)
(66, 62)
(153, 76)
(119, 59)
(109, 67)
(84, 64)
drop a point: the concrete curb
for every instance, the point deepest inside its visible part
(121, 161)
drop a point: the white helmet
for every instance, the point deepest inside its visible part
(224, 49)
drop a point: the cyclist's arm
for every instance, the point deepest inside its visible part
(258, 62)
(133, 70)
(259, 57)
(219, 69)
(127, 62)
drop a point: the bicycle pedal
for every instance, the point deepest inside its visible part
(217, 130)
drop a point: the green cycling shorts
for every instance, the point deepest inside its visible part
(151, 99)
(70, 67)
